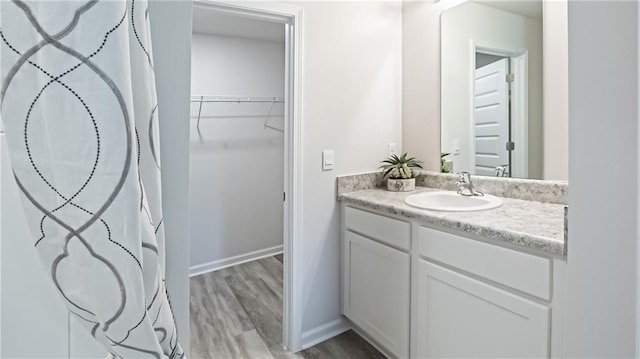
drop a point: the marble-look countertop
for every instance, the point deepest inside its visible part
(536, 225)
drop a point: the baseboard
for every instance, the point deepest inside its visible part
(371, 341)
(232, 261)
(324, 332)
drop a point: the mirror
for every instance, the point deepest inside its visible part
(492, 88)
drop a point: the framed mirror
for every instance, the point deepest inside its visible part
(492, 88)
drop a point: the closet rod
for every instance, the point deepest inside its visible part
(228, 99)
(209, 99)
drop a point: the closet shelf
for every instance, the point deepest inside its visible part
(200, 102)
(206, 99)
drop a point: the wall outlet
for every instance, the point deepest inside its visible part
(327, 160)
(392, 149)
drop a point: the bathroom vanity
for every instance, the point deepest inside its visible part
(427, 284)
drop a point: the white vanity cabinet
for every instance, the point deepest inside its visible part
(376, 278)
(418, 292)
(460, 317)
(474, 299)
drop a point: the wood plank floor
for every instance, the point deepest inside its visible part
(236, 312)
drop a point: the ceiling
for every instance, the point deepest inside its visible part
(529, 8)
(211, 22)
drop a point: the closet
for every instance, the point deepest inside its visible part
(237, 140)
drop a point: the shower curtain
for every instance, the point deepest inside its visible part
(79, 106)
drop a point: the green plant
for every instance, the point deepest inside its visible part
(395, 167)
(445, 167)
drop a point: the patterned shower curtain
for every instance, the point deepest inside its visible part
(79, 105)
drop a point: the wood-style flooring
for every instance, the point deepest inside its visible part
(236, 312)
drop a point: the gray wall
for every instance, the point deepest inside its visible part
(603, 172)
(486, 59)
(171, 36)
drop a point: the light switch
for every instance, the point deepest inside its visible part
(456, 146)
(327, 160)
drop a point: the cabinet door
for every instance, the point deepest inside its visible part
(376, 294)
(461, 317)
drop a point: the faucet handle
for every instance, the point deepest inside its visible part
(464, 177)
(464, 183)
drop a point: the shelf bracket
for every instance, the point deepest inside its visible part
(266, 119)
(200, 113)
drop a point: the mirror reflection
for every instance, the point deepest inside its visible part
(491, 76)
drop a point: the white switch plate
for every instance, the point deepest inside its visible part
(393, 149)
(327, 160)
(456, 146)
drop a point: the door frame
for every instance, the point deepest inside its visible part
(519, 103)
(292, 17)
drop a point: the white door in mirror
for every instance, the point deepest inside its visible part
(491, 117)
(449, 201)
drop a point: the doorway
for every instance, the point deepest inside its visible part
(274, 118)
(500, 112)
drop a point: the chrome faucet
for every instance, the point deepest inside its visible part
(502, 171)
(465, 186)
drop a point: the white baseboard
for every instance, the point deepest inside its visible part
(232, 261)
(324, 332)
(371, 341)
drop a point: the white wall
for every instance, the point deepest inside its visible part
(236, 66)
(421, 79)
(352, 98)
(555, 40)
(487, 27)
(237, 166)
(352, 102)
(603, 171)
(421, 83)
(171, 36)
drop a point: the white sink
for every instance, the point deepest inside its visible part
(452, 202)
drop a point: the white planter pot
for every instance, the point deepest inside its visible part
(401, 185)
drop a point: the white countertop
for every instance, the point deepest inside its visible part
(536, 225)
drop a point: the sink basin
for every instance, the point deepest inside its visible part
(452, 202)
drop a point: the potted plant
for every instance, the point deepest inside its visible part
(400, 173)
(445, 166)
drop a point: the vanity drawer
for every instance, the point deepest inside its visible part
(384, 229)
(521, 271)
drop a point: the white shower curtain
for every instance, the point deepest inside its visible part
(79, 106)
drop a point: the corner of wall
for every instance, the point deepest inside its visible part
(171, 36)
